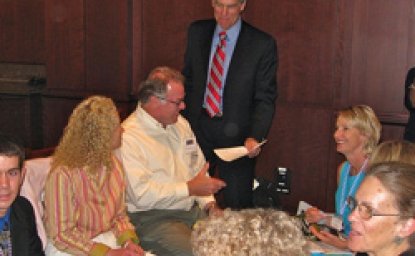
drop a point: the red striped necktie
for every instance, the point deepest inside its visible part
(213, 96)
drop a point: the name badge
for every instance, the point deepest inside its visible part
(190, 145)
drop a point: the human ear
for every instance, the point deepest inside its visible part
(408, 228)
(22, 175)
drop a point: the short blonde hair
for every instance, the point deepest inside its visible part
(394, 151)
(87, 138)
(254, 232)
(364, 119)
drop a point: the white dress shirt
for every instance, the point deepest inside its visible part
(158, 162)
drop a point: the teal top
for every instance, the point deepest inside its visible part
(347, 186)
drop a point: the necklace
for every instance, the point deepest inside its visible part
(357, 180)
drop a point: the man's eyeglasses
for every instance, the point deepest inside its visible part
(365, 211)
(176, 102)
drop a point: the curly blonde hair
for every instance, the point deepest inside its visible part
(249, 232)
(86, 142)
(364, 119)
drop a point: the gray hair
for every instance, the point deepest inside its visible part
(399, 179)
(152, 87)
(253, 232)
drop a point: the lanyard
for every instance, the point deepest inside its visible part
(353, 187)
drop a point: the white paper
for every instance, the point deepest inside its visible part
(303, 206)
(230, 154)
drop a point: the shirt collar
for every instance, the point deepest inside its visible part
(232, 33)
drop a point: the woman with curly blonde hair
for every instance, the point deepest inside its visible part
(253, 232)
(85, 190)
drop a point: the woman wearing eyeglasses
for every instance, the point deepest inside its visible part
(357, 134)
(383, 211)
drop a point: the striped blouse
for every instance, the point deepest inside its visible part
(80, 206)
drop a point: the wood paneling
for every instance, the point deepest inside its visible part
(65, 39)
(165, 24)
(55, 117)
(23, 117)
(377, 50)
(299, 138)
(107, 46)
(22, 31)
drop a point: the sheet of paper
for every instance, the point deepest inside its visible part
(233, 153)
(230, 154)
(303, 206)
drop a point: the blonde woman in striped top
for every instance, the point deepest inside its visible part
(85, 190)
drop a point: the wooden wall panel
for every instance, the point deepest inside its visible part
(165, 24)
(136, 46)
(301, 139)
(23, 118)
(306, 46)
(379, 46)
(22, 31)
(64, 31)
(107, 47)
(54, 121)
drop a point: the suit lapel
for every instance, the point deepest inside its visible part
(206, 46)
(238, 58)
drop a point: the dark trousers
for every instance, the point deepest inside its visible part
(238, 174)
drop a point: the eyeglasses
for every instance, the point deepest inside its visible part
(365, 211)
(176, 102)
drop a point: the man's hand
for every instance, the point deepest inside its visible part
(203, 185)
(212, 209)
(252, 145)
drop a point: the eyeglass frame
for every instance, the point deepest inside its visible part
(352, 204)
(177, 103)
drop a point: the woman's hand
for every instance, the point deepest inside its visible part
(130, 249)
(313, 215)
(134, 248)
(212, 209)
(329, 238)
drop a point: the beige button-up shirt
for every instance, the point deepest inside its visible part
(158, 162)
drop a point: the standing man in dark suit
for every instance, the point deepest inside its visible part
(244, 78)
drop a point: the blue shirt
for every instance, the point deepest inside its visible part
(231, 37)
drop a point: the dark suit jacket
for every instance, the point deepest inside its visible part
(250, 87)
(25, 240)
(410, 127)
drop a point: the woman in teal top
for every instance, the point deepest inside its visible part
(348, 185)
(357, 134)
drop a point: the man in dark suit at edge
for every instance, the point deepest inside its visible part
(18, 232)
(246, 93)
